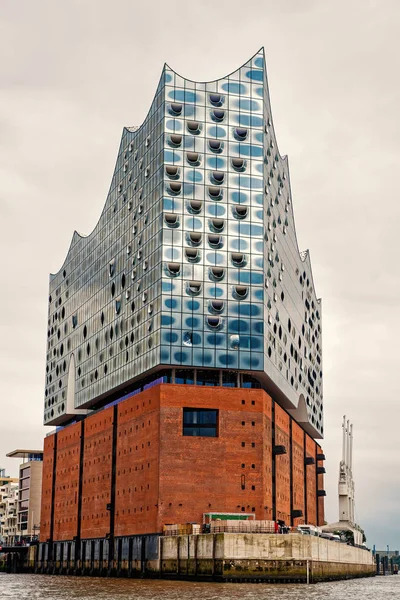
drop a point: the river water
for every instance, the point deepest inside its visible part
(46, 587)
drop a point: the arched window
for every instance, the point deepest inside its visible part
(193, 158)
(240, 292)
(216, 99)
(215, 241)
(218, 176)
(194, 238)
(175, 108)
(215, 193)
(173, 269)
(217, 273)
(171, 219)
(238, 164)
(217, 224)
(192, 254)
(240, 212)
(193, 127)
(216, 306)
(240, 133)
(175, 139)
(215, 145)
(214, 322)
(193, 288)
(175, 187)
(172, 171)
(195, 206)
(218, 114)
(238, 259)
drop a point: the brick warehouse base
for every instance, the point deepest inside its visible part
(128, 469)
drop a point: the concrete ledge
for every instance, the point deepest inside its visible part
(244, 557)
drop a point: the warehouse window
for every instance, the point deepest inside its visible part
(200, 422)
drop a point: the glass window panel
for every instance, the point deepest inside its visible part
(200, 422)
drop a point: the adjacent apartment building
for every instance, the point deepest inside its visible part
(184, 348)
(29, 492)
(9, 532)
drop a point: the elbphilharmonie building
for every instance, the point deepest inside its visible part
(184, 350)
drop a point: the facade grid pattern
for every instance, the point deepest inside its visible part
(194, 262)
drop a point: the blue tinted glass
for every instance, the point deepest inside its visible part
(217, 132)
(182, 96)
(200, 431)
(193, 305)
(239, 197)
(171, 337)
(255, 74)
(250, 120)
(166, 320)
(251, 182)
(194, 176)
(234, 88)
(250, 150)
(193, 416)
(247, 104)
(171, 156)
(171, 303)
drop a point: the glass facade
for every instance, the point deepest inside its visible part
(194, 263)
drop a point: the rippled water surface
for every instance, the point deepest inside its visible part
(44, 587)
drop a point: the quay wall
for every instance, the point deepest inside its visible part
(219, 557)
(230, 556)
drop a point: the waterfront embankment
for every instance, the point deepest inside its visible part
(223, 557)
(257, 557)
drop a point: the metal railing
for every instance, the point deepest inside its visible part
(240, 529)
(218, 529)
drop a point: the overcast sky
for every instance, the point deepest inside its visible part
(72, 74)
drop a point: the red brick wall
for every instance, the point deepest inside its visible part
(136, 501)
(47, 486)
(198, 474)
(267, 458)
(282, 465)
(96, 479)
(298, 471)
(67, 480)
(321, 501)
(311, 450)
(165, 477)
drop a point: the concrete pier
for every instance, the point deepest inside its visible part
(229, 557)
(241, 557)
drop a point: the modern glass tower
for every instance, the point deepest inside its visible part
(193, 272)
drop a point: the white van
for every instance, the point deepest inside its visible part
(309, 530)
